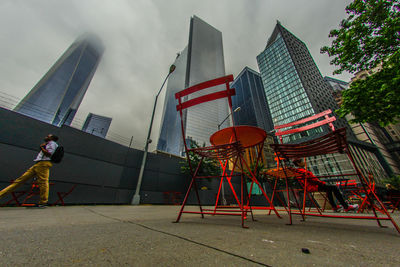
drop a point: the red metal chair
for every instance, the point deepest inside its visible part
(62, 195)
(394, 201)
(172, 197)
(29, 193)
(333, 142)
(33, 191)
(227, 147)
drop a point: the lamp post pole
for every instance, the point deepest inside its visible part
(136, 196)
(223, 187)
(236, 109)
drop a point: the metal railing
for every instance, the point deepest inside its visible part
(9, 102)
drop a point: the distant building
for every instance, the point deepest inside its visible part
(200, 61)
(389, 136)
(392, 134)
(250, 97)
(97, 125)
(57, 96)
(384, 138)
(338, 87)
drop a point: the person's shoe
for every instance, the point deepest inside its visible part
(338, 208)
(42, 206)
(351, 208)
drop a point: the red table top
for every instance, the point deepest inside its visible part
(248, 136)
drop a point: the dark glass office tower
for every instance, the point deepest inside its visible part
(293, 84)
(200, 61)
(97, 125)
(250, 97)
(57, 96)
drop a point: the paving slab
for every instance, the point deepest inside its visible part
(145, 236)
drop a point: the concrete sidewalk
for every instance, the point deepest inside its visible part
(146, 236)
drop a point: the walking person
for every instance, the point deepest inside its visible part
(40, 170)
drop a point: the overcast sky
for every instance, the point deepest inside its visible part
(142, 38)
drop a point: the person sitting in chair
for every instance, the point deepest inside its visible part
(314, 184)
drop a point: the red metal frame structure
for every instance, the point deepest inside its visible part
(334, 142)
(34, 191)
(31, 192)
(227, 147)
(357, 193)
(249, 137)
(62, 195)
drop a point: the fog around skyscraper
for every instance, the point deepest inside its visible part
(141, 39)
(56, 97)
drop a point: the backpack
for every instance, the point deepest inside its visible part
(58, 154)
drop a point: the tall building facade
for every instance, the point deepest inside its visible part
(293, 85)
(205, 62)
(295, 89)
(250, 97)
(97, 125)
(200, 61)
(56, 97)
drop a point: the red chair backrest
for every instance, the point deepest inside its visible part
(185, 102)
(334, 142)
(228, 92)
(327, 120)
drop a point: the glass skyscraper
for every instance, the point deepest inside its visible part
(205, 62)
(56, 97)
(97, 125)
(295, 89)
(293, 85)
(250, 97)
(200, 61)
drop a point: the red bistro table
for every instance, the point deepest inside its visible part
(248, 137)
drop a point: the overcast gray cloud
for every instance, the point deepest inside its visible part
(142, 38)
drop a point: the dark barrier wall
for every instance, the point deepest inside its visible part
(104, 172)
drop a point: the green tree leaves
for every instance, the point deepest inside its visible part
(209, 167)
(368, 37)
(377, 97)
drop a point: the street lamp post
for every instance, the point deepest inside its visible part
(236, 109)
(136, 196)
(223, 188)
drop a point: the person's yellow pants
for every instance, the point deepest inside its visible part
(42, 171)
